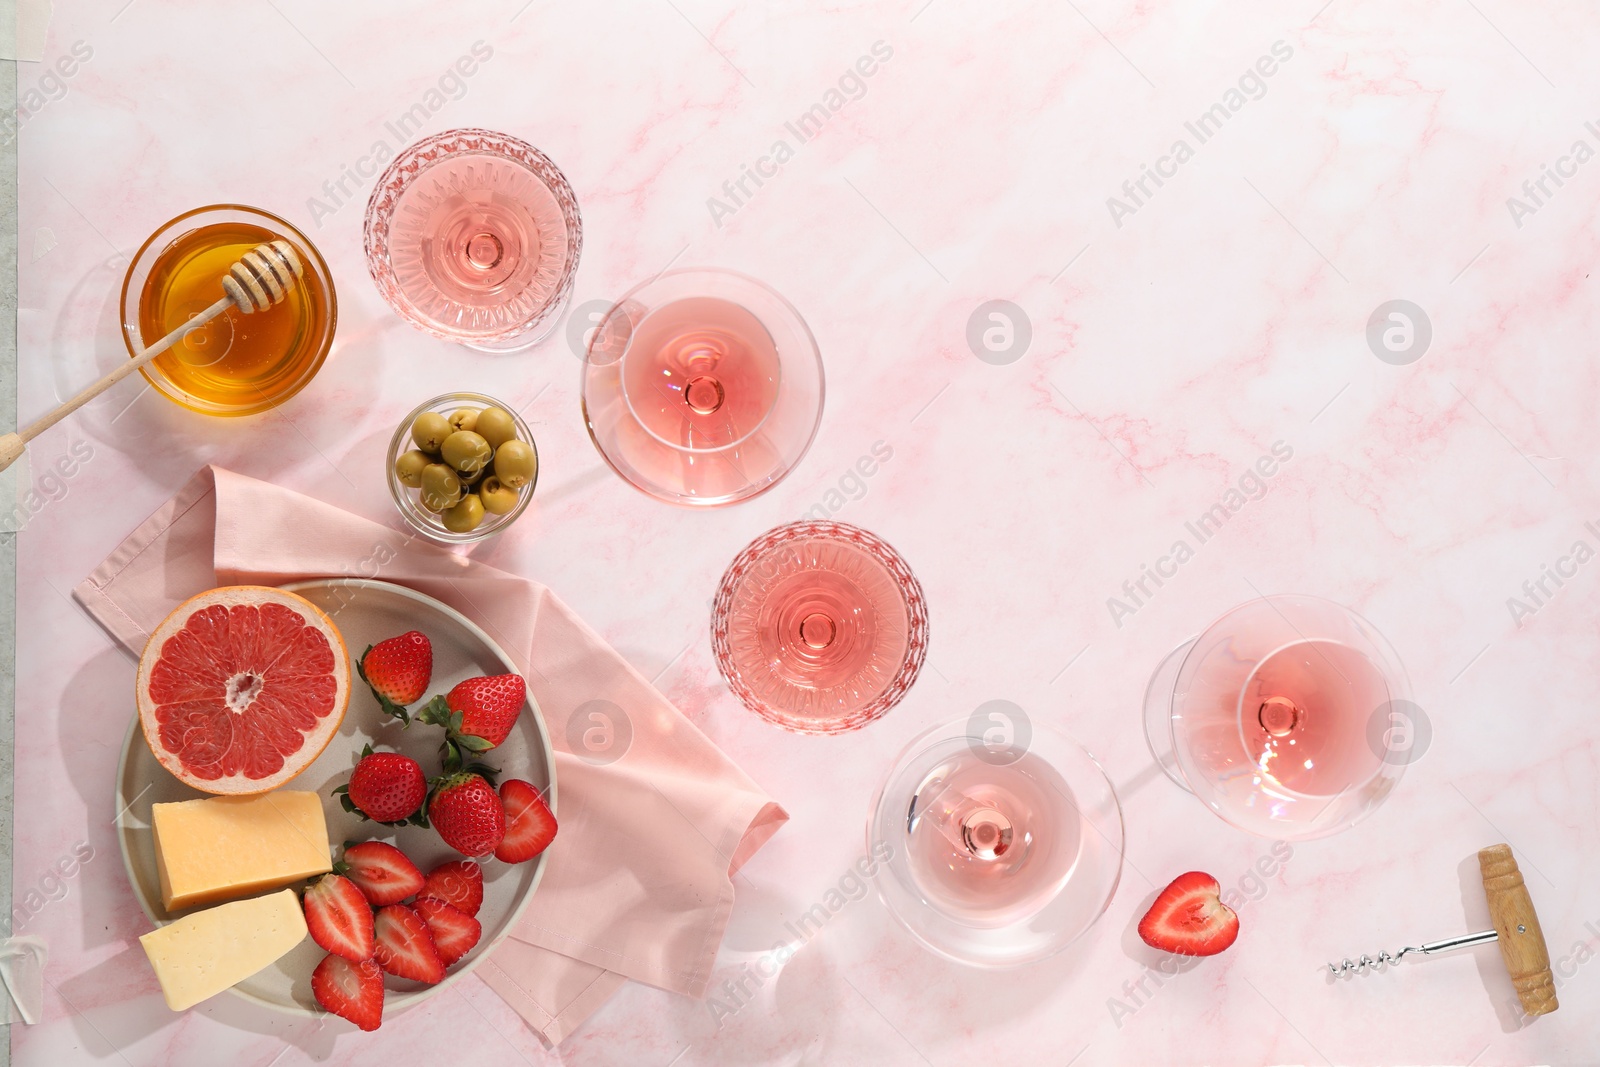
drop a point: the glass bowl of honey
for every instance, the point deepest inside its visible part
(236, 364)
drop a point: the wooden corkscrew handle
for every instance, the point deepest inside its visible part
(1521, 939)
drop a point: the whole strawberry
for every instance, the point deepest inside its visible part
(468, 814)
(477, 714)
(385, 787)
(398, 671)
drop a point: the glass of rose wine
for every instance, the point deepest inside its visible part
(819, 627)
(1277, 717)
(702, 387)
(474, 236)
(1005, 845)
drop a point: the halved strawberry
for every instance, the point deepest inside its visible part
(530, 825)
(398, 671)
(454, 932)
(1189, 918)
(405, 948)
(458, 883)
(380, 871)
(351, 991)
(339, 917)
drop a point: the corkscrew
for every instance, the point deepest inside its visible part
(1516, 928)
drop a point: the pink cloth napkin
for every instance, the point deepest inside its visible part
(639, 877)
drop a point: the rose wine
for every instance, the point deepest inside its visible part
(477, 244)
(1311, 702)
(701, 372)
(991, 844)
(819, 626)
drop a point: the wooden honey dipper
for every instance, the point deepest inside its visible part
(1516, 928)
(259, 279)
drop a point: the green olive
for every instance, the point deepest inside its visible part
(408, 468)
(464, 516)
(464, 419)
(473, 480)
(497, 426)
(430, 430)
(441, 488)
(515, 464)
(498, 498)
(466, 451)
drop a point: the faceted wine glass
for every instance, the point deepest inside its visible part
(474, 236)
(1002, 850)
(819, 627)
(1278, 717)
(702, 387)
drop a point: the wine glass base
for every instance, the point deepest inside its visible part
(523, 341)
(1158, 713)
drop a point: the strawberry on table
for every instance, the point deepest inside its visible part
(458, 883)
(382, 872)
(351, 991)
(405, 948)
(339, 917)
(477, 714)
(454, 931)
(467, 813)
(1189, 918)
(398, 671)
(385, 787)
(530, 825)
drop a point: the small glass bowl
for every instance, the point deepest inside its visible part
(426, 522)
(267, 385)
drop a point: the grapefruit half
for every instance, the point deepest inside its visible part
(241, 688)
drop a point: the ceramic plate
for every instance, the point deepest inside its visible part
(365, 612)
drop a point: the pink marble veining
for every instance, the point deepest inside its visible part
(1171, 345)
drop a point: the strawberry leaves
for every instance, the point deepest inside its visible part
(456, 746)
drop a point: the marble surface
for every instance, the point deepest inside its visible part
(1174, 337)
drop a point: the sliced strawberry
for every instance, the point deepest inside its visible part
(398, 671)
(454, 932)
(405, 948)
(530, 825)
(458, 883)
(1189, 918)
(380, 871)
(351, 991)
(339, 917)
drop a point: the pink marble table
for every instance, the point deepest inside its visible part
(1438, 153)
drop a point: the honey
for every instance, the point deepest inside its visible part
(235, 364)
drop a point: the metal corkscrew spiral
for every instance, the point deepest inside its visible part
(1346, 965)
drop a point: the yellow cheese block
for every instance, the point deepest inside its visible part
(202, 954)
(224, 848)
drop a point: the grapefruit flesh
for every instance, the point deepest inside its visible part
(241, 688)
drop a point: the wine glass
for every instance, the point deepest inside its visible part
(1269, 717)
(473, 236)
(819, 627)
(1003, 849)
(702, 387)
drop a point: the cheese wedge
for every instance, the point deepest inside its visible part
(200, 955)
(224, 848)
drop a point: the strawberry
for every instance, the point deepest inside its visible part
(398, 671)
(477, 714)
(467, 814)
(339, 917)
(380, 871)
(454, 932)
(351, 991)
(405, 949)
(1189, 918)
(530, 825)
(458, 883)
(385, 787)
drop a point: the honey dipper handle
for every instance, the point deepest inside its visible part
(1521, 939)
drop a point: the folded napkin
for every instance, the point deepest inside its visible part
(638, 883)
(22, 973)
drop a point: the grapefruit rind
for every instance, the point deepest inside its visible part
(313, 741)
